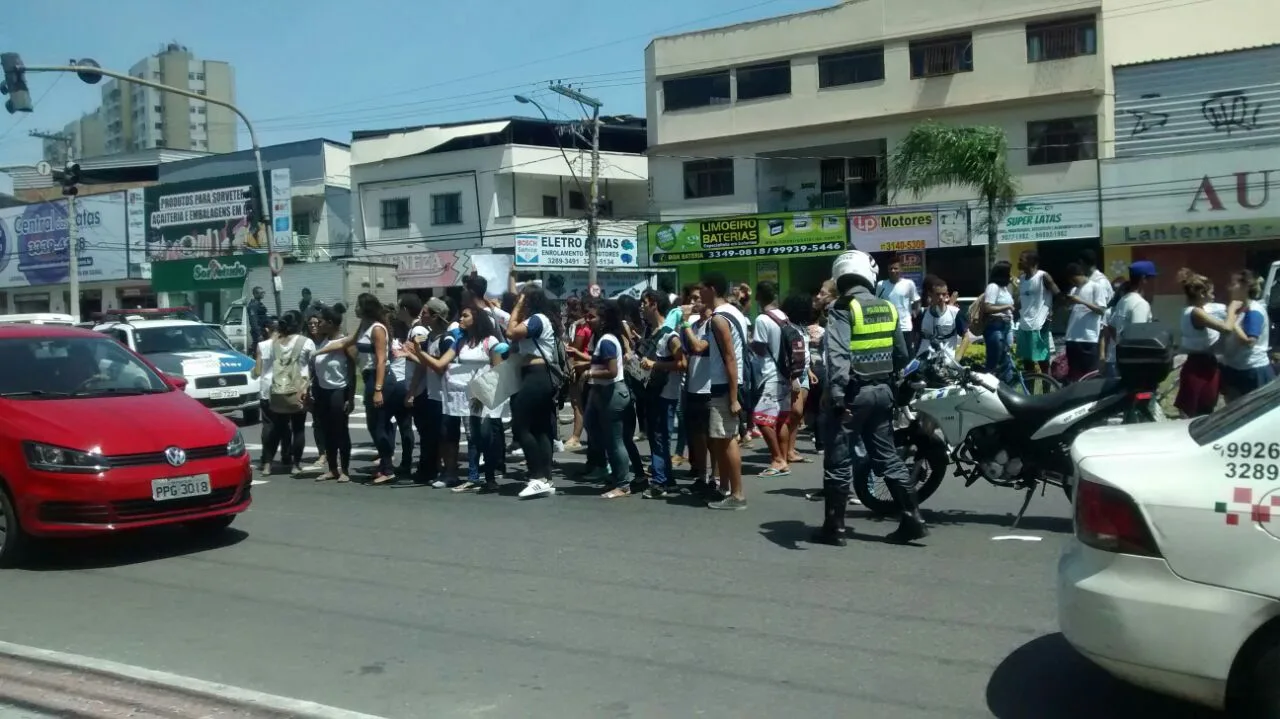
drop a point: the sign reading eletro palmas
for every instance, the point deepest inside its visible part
(571, 251)
(784, 234)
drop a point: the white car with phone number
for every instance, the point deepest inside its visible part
(1172, 581)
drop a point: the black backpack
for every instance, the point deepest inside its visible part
(791, 350)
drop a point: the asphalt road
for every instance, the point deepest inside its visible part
(413, 602)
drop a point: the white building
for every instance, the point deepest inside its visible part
(800, 112)
(432, 196)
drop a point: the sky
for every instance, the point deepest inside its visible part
(322, 68)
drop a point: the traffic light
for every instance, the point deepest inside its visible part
(251, 209)
(15, 84)
(70, 178)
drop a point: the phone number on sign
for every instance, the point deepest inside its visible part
(902, 245)
(744, 252)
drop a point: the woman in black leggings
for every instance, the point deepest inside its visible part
(333, 395)
(535, 326)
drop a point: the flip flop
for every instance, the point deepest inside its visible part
(771, 472)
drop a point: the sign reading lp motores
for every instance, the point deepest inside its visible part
(893, 231)
(774, 235)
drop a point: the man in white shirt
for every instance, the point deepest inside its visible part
(905, 296)
(774, 405)
(1036, 290)
(1131, 309)
(1089, 302)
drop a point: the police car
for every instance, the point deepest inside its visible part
(1172, 580)
(217, 375)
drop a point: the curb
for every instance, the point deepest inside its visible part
(198, 688)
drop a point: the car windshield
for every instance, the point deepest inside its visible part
(1212, 428)
(178, 338)
(36, 368)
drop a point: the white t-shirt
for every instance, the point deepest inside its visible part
(997, 295)
(1132, 309)
(283, 347)
(1199, 340)
(332, 371)
(942, 325)
(442, 342)
(1035, 301)
(903, 294)
(1083, 323)
(768, 332)
(264, 380)
(719, 378)
(399, 365)
(541, 341)
(675, 380)
(419, 335)
(698, 366)
(607, 348)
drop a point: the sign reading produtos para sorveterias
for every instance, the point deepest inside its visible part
(788, 234)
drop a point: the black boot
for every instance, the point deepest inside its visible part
(832, 530)
(911, 527)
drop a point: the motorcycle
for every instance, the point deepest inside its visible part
(989, 431)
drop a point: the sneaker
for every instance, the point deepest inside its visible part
(517, 452)
(320, 465)
(439, 484)
(729, 503)
(559, 446)
(537, 488)
(658, 491)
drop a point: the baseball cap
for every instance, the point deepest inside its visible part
(1142, 268)
(437, 307)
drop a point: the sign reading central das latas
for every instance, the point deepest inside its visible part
(784, 234)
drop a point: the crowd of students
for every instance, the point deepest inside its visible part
(679, 371)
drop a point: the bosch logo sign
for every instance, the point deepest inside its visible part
(865, 223)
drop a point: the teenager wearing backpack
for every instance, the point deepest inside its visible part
(535, 329)
(661, 357)
(773, 407)
(287, 359)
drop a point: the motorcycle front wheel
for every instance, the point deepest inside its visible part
(927, 462)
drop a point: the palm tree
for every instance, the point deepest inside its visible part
(933, 155)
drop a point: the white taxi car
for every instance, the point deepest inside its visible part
(1172, 581)
(217, 375)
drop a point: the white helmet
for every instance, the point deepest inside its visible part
(856, 262)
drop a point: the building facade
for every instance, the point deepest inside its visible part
(88, 139)
(801, 113)
(433, 198)
(134, 117)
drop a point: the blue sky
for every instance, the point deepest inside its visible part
(310, 68)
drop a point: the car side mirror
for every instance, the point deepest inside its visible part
(175, 381)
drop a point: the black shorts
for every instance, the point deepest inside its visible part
(1082, 358)
(697, 413)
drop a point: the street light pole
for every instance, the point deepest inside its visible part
(87, 72)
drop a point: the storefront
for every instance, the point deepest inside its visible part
(1210, 212)
(35, 256)
(560, 262)
(428, 272)
(208, 284)
(794, 249)
(922, 240)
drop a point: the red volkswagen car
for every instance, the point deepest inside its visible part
(94, 440)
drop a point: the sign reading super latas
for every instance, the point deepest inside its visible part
(571, 251)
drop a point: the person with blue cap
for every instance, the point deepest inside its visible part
(1131, 309)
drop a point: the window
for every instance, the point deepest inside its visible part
(577, 201)
(1251, 408)
(708, 178)
(550, 206)
(1062, 39)
(942, 56)
(159, 125)
(446, 209)
(200, 76)
(199, 92)
(1068, 140)
(41, 369)
(767, 80)
(683, 93)
(159, 109)
(395, 214)
(851, 68)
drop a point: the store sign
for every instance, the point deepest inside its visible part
(35, 244)
(563, 285)
(424, 270)
(1217, 197)
(894, 230)
(204, 273)
(1043, 218)
(281, 210)
(200, 218)
(783, 234)
(571, 251)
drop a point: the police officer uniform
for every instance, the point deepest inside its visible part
(864, 350)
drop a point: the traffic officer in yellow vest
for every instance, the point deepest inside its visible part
(864, 350)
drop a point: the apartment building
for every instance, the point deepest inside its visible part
(142, 118)
(431, 198)
(795, 117)
(88, 136)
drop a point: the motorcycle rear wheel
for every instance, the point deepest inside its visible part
(927, 464)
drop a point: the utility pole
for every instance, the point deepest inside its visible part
(69, 178)
(593, 209)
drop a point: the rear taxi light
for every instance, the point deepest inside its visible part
(1108, 520)
(1144, 396)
